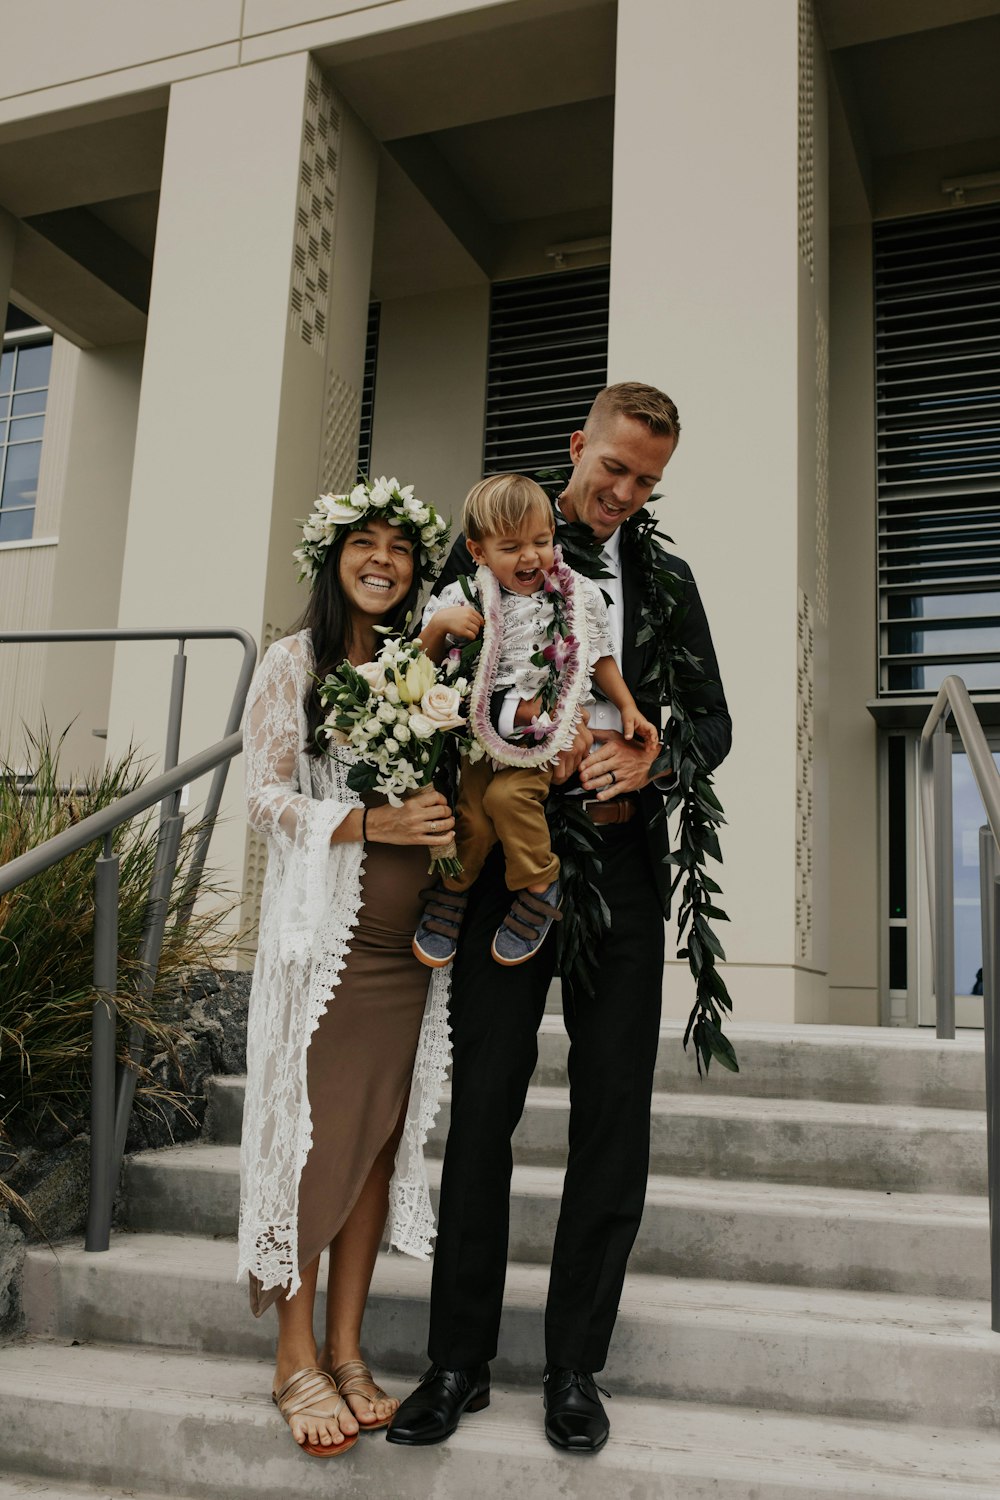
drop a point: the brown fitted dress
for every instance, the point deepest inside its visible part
(360, 1057)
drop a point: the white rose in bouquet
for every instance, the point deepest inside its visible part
(442, 706)
(402, 733)
(421, 726)
(374, 674)
(386, 713)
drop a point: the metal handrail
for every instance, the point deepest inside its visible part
(936, 747)
(175, 710)
(98, 825)
(113, 1088)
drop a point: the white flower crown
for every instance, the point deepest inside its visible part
(383, 499)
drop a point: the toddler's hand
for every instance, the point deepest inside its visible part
(635, 726)
(459, 620)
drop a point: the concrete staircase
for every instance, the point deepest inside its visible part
(806, 1316)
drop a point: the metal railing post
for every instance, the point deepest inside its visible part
(105, 1017)
(175, 713)
(944, 885)
(157, 909)
(993, 1087)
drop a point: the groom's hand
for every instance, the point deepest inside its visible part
(570, 760)
(617, 765)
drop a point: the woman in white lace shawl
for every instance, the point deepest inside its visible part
(341, 1019)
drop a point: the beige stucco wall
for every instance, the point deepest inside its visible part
(60, 54)
(430, 393)
(99, 391)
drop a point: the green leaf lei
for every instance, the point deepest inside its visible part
(674, 675)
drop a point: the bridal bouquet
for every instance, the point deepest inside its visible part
(398, 714)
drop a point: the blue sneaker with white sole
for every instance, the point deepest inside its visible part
(523, 930)
(436, 938)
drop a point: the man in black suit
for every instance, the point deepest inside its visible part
(618, 459)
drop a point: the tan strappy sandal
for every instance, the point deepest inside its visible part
(306, 1394)
(351, 1377)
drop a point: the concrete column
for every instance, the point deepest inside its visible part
(854, 850)
(717, 279)
(94, 397)
(247, 395)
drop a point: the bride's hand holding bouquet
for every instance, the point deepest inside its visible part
(398, 713)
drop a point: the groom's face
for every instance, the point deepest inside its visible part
(615, 470)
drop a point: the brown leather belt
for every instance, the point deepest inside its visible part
(616, 810)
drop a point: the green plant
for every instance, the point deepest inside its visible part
(46, 943)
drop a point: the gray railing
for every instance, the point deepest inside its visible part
(113, 1088)
(936, 747)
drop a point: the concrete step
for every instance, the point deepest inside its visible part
(128, 1418)
(829, 1353)
(845, 1064)
(926, 1244)
(892, 1148)
(30, 1486)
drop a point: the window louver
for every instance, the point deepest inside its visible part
(368, 389)
(937, 313)
(548, 358)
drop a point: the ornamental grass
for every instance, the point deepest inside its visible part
(47, 947)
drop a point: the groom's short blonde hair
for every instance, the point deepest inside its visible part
(502, 503)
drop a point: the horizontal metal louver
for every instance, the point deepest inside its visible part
(368, 389)
(548, 358)
(937, 317)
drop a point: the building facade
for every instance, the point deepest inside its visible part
(267, 237)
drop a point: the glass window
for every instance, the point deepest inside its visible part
(28, 403)
(925, 639)
(24, 377)
(33, 363)
(968, 816)
(16, 525)
(24, 428)
(975, 674)
(941, 606)
(20, 476)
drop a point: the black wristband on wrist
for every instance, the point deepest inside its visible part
(364, 820)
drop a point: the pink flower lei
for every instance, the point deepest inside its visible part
(567, 652)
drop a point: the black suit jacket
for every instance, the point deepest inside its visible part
(714, 726)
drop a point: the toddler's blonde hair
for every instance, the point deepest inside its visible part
(501, 504)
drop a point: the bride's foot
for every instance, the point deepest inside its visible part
(320, 1418)
(368, 1401)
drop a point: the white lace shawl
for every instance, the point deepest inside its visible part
(312, 895)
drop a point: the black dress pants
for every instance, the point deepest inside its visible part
(495, 1013)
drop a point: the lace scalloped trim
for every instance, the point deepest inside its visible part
(411, 1218)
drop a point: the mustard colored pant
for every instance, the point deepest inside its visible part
(506, 806)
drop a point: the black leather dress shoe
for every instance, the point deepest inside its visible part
(431, 1414)
(575, 1418)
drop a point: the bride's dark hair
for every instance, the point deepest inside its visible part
(328, 618)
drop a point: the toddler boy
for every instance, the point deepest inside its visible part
(532, 604)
